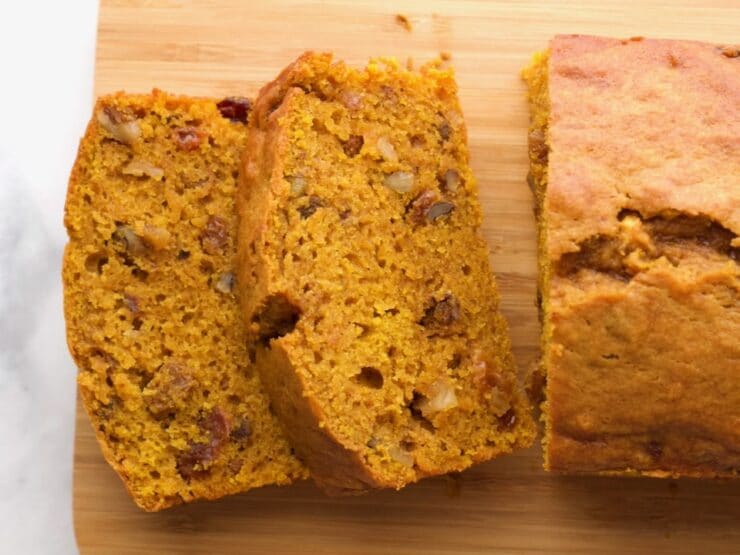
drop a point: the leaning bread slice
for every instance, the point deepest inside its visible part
(635, 158)
(152, 316)
(367, 280)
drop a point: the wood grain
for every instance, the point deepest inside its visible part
(509, 505)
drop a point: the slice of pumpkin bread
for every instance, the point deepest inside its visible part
(152, 316)
(635, 157)
(366, 278)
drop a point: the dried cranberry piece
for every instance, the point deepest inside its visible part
(217, 424)
(235, 108)
(194, 462)
(200, 455)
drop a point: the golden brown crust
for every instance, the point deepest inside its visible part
(339, 471)
(363, 353)
(644, 124)
(641, 212)
(653, 391)
(152, 318)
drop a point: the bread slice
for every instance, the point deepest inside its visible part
(152, 315)
(367, 280)
(634, 149)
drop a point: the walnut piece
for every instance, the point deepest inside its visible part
(443, 312)
(386, 149)
(139, 168)
(169, 389)
(156, 238)
(132, 243)
(439, 209)
(451, 182)
(215, 235)
(225, 282)
(486, 374)
(401, 182)
(297, 184)
(427, 207)
(122, 127)
(439, 397)
(400, 455)
(419, 207)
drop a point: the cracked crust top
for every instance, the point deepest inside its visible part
(640, 124)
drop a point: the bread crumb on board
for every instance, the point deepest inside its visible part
(404, 22)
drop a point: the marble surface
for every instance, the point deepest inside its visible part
(47, 64)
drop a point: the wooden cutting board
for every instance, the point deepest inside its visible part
(509, 505)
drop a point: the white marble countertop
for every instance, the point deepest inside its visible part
(47, 58)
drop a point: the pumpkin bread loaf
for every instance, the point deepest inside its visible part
(367, 281)
(152, 315)
(635, 157)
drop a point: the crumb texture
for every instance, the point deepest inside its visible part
(367, 279)
(150, 301)
(634, 149)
